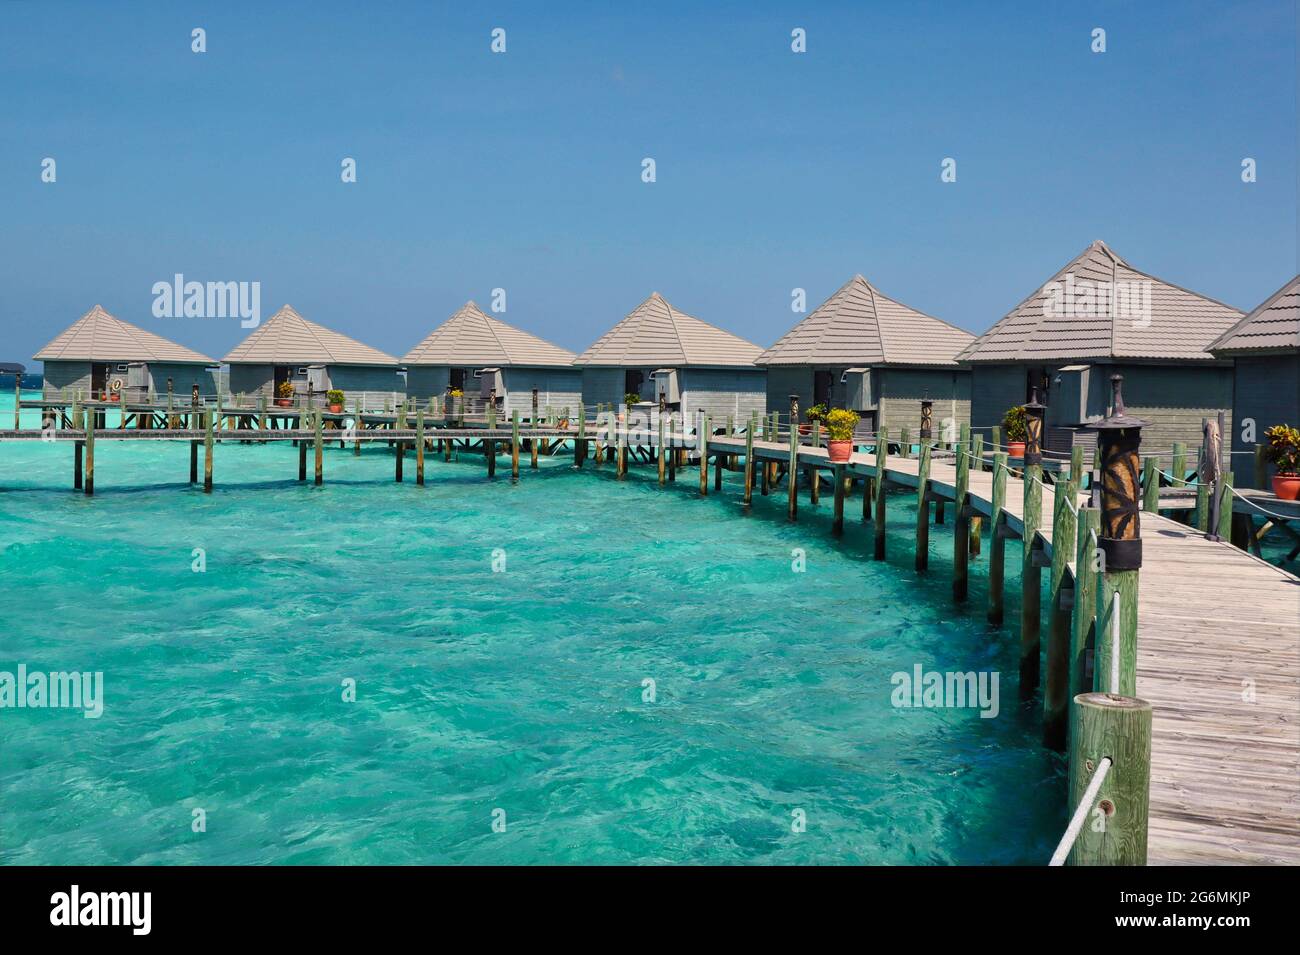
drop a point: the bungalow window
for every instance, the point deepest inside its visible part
(457, 379)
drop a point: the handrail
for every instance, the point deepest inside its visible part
(1080, 813)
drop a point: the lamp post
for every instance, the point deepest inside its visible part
(1119, 439)
(1034, 429)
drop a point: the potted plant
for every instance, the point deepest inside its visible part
(839, 431)
(816, 413)
(334, 398)
(1283, 452)
(284, 394)
(1015, 430)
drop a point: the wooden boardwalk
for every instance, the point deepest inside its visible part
(1219, 661)
(1218, 643)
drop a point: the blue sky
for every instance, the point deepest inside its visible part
(522, 170)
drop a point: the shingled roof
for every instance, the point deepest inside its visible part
(655, 333)
(471, 337)
(1273, 327)
(1145, 318)
(860, 326)
(286, 338)
(99, 336)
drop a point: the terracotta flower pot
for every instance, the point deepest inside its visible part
(284, 402)
(1015, 449)
(1286, 486)
(840, 451)
(336, 409)
(805, 429)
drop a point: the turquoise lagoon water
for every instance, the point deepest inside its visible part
(519, 690)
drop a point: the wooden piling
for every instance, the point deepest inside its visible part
(514, 446)
(77, 448)
(882, 458)
(419, 448)
(814, 473)
(1056, 686)
(579, 446)
(490, 453)
(302, 461)
(961, 532)
(318, 448)
(1178, 467)
(997, 538)
(837, 523)
(976, 522)
(89, 477)
(194, 462)
(1261, 466)
(792, 482)
(662, 455)
(1224, 490)
(704, 456)
(207, 451)
(749, 464)
(1085, 599)
(1106, 656)
(1150, 486)
(1116, 728)
(1031, 576)
(923, 507)
(1076, 465)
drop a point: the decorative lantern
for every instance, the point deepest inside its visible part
(194, 395)
(663, 401)
(534, 404)
(927, 418)
(1034, 429)
(1119, 438)
(794, 412)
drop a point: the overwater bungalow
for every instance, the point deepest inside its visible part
(483, 356)
(313, 360)
(1265, 346)
(1095, 317)
(867, 352)
(658, 350)
(105, 358)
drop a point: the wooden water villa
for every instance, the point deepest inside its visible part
(1096, 317)
(674, 359)
(312, 359)
(864, 351)
(1265, 349)
(498, 363)
(103, 357)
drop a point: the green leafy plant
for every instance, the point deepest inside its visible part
(284, 389)
(455, 393)
(631, 398)
(816, 413)
(1015, 424)
(1283, 448)
(840, 423)
(334, 396)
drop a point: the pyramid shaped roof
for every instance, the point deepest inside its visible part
(859, 325)
(99, 336)
(472, 337)
(1272, 327)
(1099, 307)
(656, 333)
(286, 338)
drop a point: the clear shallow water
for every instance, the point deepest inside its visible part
(519, 690)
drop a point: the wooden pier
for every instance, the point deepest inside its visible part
(1217, 629)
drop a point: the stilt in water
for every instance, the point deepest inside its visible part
(1057, 684)
(207, 452)
(923, 508)
(318, 445)
(419, 448)
(961, 532)
(997, 539)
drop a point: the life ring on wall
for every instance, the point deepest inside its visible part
(115, 385)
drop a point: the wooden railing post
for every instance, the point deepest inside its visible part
(814, 473)
(1056, 688)
(207, 451)
(704, 455)
(961, 532)
(923, 508)
(514, 444)
(1031, 590)
(1150, 486)
(318, 446)
(882, 460)
(1085, 599)
(792, 478)
(1118, 729)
